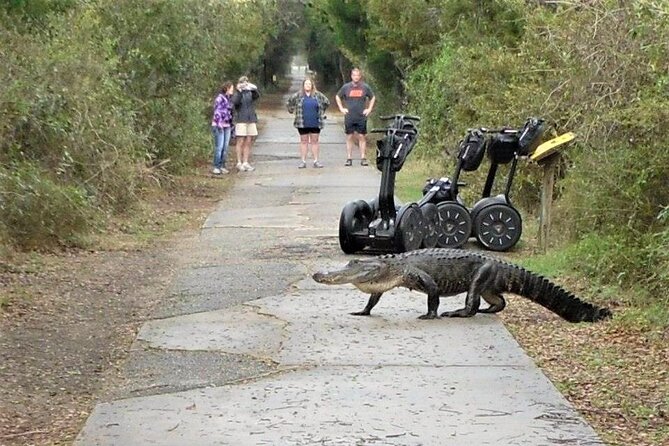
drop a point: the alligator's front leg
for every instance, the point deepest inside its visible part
(482, 280)
(417, 279)
(432, 307)
(371, 303)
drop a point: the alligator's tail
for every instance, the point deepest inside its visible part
(549, 295)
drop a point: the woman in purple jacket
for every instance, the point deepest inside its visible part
(221, 126)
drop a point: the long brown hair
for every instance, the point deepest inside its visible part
(313, 86)
(225, 87)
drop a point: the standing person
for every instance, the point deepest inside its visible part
(246, 130)
(309, 106)
(356, 101)
(221, 126)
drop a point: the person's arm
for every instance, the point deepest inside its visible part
(217, 106)
(326, 101)
(340, 105)
(370, 107)
(236, 98)
(290, 104)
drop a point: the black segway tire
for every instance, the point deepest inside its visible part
(409, 230)
(365, 208)
(354, 218)
(431, 225)
(455, 225)
(498, 227)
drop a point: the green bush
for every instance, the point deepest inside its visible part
(599, 70)
(102, 99)
(172, 55)
(37, 213)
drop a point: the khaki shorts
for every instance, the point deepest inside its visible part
(246, 129)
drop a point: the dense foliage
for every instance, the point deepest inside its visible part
(599, 70)
(103, 98)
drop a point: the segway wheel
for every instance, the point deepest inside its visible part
(455, 225)
(430, 225)
(409, 231)
(355, 218)
(498, 227)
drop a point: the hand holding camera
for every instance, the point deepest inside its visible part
(248, 86)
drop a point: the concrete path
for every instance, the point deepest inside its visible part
(248, 350)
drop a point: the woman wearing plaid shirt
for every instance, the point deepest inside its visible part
(309, 107)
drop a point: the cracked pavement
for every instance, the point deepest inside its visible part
(247, 350)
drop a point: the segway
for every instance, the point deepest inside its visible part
(454, 226)
(380, 224)
(493, 220)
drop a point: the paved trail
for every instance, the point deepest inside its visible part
(248, 350)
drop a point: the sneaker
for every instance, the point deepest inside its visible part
(224, 170)
(302, 165)
(317, 164)
(216, 171)
(363, 162)
(240, 167)
(348, 162)
(247, 167)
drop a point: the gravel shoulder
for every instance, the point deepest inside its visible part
(70, 317)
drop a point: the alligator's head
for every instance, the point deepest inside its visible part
(369, 275)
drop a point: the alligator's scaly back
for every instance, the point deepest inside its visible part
(551, 296)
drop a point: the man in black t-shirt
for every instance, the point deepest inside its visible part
(356, 101)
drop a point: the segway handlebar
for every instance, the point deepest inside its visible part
(502, 130)
(390, 129)
(401, 117)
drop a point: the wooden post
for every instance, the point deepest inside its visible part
(549, 165)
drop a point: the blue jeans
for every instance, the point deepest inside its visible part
(221, 143)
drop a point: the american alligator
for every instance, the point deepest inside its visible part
(446, 272)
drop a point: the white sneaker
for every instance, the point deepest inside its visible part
(247, 167)
(240, 167)
(224, 170)
(216, 171)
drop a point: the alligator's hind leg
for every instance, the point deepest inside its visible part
(483, 279)
(496, 301)
(373, 300)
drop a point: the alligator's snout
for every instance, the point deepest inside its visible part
(330, 278)
(355, 272)
(319, 277)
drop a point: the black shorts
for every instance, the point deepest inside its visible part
(357, 126)
(308, 130)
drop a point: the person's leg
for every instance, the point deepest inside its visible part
(304, 146)
(362, 144)
(227, 132)
(245, 149)
(247, 153)
(252, 132)
(239, 149)
(362, 141)
(350, 140)
(239, 146)
(315, 148)
(217, 136)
